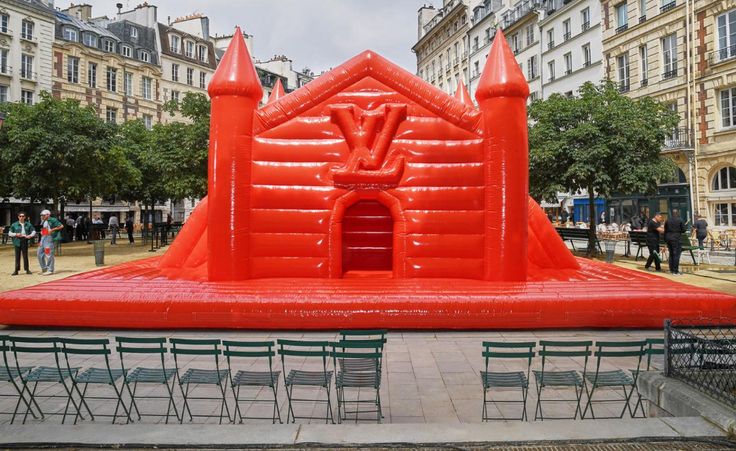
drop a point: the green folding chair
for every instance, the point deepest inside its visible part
(561, 379)
(614, 379)
(195, 377)
(322, 378)
(11, 374)
(655, 346)
(252, 350)
(33, 347)
(135, 347)
(496, 352)
(358, 364)
(89, 349)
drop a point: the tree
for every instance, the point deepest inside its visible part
(600, 141)
(58, 150)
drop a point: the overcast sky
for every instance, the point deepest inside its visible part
(316, 33)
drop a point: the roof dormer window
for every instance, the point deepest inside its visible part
(89, 39)
(133, 33)
(202, 53)
(109, 46)
(127, 51)
(144, 56)
(70, 34)
(175, 43)
(189, 50)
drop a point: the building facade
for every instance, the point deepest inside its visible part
(441, 48)
(26, 35)
(571, 45)
(683, 53)
(480, 35)
(520, 24)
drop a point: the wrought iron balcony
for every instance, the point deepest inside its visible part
(680, 138)
(644, 83)
(622, 28)
(566, 36)
(667, 7)
(672, 73)
(624, 86)
(724, 54)
(586, 26)
(568, 71)
(642, 19)
(550, 45)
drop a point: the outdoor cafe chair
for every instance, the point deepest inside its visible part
(495, 352)
(365, 373)
(555, 351)
(12, 375)
(655, 346)
(193, 378)
(97, 350)
(252, 350)
(358, 364)
(133, 347)
(320, 378)
(26, 348)
(617, 378)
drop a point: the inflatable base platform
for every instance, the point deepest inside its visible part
(136, 296)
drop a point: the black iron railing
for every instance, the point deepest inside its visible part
(680, 138)
(703, 357)
(724, 54)
(622, 28)
(667, 7)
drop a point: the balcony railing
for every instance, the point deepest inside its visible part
(723, 54)
(586, 26)
(568, 71)
(566, 36)
(550, 45)
(642, 19)
(622, 28)
(586, 63)
(551, 78)
(680, 138)
(6, 70)
(624, 86)
(667, 7)
(644, 83)
(672, 73)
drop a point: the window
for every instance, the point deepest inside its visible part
(202, 80)
(133, 33)
(146, 88)
(109, 46)
(585, 19)
(111, 115)
(128, 83)
(531, 68)
(550, 38)
(70, 34)
(728, 108)
(622, 19)
(92, 75)
(623, 72)
(586, 55)
(189, 51)
(127, 51)
(26, 97)
(89, 39)
(4, 69)
(174, 72)
(726, 24)
(476, 69)
(669, 56)
(475, 43)
(643, 65)
(145, 56)
(190, 76)
(725, 214)
(642, 10)
(487, 37)
(26, 66)
(551, 70)
(3, 93)
(568, 63)
(530, 34)
(112, 79)
(72, 69)
(175, 96)
(202, 53)
(566, 33)
(175, 43)
(4, 20)
(26, 30)
(148, 121)
(515, 43)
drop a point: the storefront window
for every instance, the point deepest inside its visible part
(725, 214)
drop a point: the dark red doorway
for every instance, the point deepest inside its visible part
(367, 237)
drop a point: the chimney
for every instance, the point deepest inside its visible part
(81, 12)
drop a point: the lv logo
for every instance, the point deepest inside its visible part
(369, 136)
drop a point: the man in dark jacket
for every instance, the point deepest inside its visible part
(21, 231)
(673, 230)
(654, 228)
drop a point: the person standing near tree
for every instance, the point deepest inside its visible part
(21, 231)
(50, 232)
(654, 229)
(700, 230)
(114, 224)
(673, 230)
(129, 229)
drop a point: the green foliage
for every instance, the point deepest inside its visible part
(600, 141)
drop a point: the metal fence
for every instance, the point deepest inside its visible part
(704, 357)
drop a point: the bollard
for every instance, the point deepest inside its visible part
(99, 252)
(610, 246)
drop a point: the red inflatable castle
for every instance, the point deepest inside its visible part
(367, 198)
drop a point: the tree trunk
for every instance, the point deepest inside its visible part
(593, 217)
(62, 204)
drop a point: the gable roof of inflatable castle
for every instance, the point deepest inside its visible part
(236, 75)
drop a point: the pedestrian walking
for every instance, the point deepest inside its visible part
(114, 225)
(654, 229)
(21, 231)
(129, 228)
(79, 228)
(50, 233)
(673, 230)
(700, 230)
